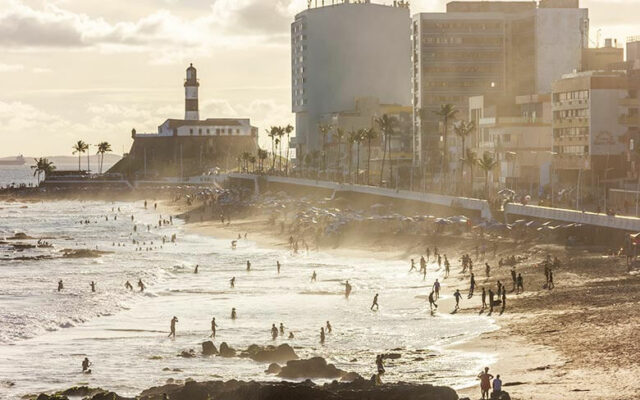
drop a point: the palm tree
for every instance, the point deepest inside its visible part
(278, 147)
(340, 134)
(470, 159)
(246, 156)
(386, 125)
(462, 130)
(262, 155)
(281, 133)
(252, 160)
(324, 130)
(359, 139)
(272, 133)
(369, 134)
(447, 112)
(103, 147)
(351, 140)
(487, 163)
(80, 147)
(288, 130)
(42, 166)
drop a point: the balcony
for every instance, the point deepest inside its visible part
(571, 122)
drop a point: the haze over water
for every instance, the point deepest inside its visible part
(44, 335)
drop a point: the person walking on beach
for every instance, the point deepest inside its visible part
(436, 289)
(514, 278)
(278, 266)
(413, 265)
(484, 298)
(274, 332)
(141, 285)
(432, 302)
(233, 313)
(439, 261)
(497, 387)
(551, 285)
(447, 267)
(487, 269)
(213, 327)
(322, 336)
(93, 286)
(428, 254)
(457, 296)
(375, 303)
(173, 327)
(314, 277)
(472, 285)
(60, 285)
(347, 289)
(520, 284)
(504, 299)
(232, 282)
(128, 285)
(485, 383)
(491, 297)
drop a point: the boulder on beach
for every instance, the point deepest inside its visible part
(43, 396)
(226, 351)
(273, 369)
(350, 377)
(20, 236)
(271, 354)
(208, 348)
(188, 353)
(82, 253)
(315, 367)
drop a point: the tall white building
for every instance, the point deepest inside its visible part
(346, 51)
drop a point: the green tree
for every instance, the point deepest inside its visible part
(447, 113)
(325, 129)
(273, 133)
(351, 139)
(288, 130)
(103, 147)
(387, 125)
(471, 159)
(42, 166)
(79, 148)
(487, 163)
(358, 139)
(262, 155)
(340, 134)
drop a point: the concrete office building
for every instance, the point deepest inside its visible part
(489, 48)
(588, 130)
(343, 52)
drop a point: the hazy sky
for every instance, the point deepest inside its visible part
(92, 70)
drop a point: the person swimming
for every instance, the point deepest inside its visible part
(291, 335)
(141, 285)
(314, 277)
(233, 313)
(234, 244)
(128, 285)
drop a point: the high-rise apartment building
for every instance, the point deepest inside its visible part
(343, 52)
(489, 48)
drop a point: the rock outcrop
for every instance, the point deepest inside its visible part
(315, 367)
(226, 351)
(208, 348)
(271, 354)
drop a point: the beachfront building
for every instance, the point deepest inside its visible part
(488, 48)
(363, 115)
(341, 52)
(604, 58)
(589, 132)
(518, 133)
(189, 146)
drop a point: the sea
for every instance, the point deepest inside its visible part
(45, 334)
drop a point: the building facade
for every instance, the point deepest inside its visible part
(489, 48)
(343, 52)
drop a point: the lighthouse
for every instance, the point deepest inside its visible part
(191, 85)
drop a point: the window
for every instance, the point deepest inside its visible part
(190, 131)
(200, 131)
(208, 132)
(237, 131)
(230, 131)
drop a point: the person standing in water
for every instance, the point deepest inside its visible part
(329, 328)
(233, 313)
(274, 332)
(248, 266)
(232, 282)
(128, 285)
(173, 327)
(314, 277)
(141, 285)
(375, 303)
(380, 364)
(281, 329)
(472, 285)
(195, 271)
(278, 266)
(347, 289)
(85, 366)
(322, 335)
(213, 327)
(60, 285)
(93, 286)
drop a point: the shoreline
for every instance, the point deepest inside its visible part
(526, 359)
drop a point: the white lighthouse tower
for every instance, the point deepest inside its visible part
(191, 85)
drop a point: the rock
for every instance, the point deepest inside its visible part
(43, 396)
(392, 356)
(273, 369)
(188, 353)
(350, 377)
(20, 236)
(272, 354)
(208, 348)
(316, 367)
(226, 351)
(109, 396)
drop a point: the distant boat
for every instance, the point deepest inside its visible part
(13, 161)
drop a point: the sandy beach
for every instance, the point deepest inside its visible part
(578, 340)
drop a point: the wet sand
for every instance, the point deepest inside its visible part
(579, 340)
